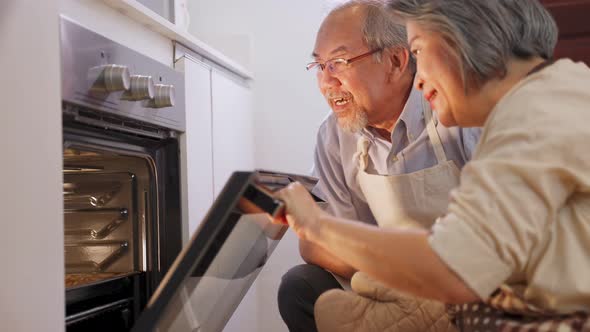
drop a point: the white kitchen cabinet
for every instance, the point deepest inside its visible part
(219, 135)
(196, 144)
(233, 130)
(31, 201)
(164, 8)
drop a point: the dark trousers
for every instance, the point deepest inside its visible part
(300, 288)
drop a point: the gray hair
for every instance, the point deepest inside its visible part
(485, 33)
(380, 30)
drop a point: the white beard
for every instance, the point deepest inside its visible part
(354, 122)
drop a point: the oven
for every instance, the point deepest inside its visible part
(122, 114)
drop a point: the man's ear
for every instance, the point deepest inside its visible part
(398, 58)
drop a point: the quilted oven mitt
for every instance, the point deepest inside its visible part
(371, 306)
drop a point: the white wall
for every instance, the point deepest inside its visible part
(31, 240)
(274, 39)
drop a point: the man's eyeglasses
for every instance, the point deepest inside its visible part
(335, 66)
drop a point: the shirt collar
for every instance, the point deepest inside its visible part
(411, 120)
(413, 116)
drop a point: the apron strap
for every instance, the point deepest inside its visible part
(433, 134)
(362, 152)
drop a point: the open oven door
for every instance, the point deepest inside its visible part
(211, 275)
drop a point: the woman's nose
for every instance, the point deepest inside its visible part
(419, 83)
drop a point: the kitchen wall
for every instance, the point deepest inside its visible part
(274, 39)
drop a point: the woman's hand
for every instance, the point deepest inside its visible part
(302, 213)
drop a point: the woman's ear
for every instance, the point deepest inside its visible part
(398, 58)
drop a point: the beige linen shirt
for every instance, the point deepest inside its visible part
(521, 214)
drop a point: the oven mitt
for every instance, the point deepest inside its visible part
(373, 307)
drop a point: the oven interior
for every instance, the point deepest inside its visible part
(121, 224)
(104, 215)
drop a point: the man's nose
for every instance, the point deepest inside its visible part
(327, 79)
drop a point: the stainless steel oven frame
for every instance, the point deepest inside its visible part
(118, 101)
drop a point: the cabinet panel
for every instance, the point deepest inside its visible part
(164, 8)
(31, 196)
(233, 136)
(196, 145)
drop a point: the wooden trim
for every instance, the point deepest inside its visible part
(572, 16)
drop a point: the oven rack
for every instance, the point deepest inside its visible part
(113, 250)
(121, 215)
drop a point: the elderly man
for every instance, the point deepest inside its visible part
(381, 156)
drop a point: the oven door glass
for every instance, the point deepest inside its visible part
(214, 271)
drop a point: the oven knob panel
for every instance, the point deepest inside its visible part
(164, 96)
(110, 78)
(141, 88)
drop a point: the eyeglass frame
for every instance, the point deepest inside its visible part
(346, 62)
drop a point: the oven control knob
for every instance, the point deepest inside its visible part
(163, 97)
(110, 78)
(141, 88)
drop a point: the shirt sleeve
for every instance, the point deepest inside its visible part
(328, 168)
(509, 194)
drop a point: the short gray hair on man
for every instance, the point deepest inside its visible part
(380, 29)
(485, 33)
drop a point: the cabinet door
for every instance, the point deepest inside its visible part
(31, 196)
(196, 145)
(233, 134)
(574, 30)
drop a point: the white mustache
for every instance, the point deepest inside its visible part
(333, 95)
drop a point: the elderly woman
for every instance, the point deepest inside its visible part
(516, 238)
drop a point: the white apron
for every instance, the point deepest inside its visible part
(414, 199)
(407, 200)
